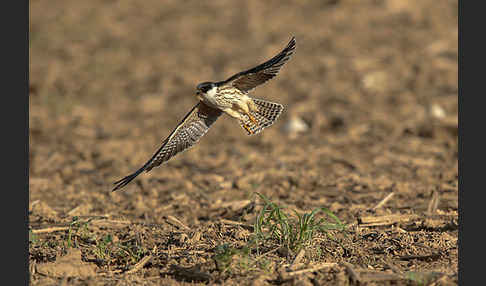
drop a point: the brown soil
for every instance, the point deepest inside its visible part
(374, 81)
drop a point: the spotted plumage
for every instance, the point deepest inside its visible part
(229, 96)
(265, 115)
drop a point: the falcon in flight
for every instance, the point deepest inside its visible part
(229, 96)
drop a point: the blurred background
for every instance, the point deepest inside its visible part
(370, 100)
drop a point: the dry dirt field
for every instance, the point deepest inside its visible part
(369, 132)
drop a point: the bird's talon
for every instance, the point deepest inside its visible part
(252, 119)
(247, 128)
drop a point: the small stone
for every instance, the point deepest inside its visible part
(437, 111)
(375, 81)
(295, 125)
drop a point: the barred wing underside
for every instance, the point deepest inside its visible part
(187, 133)
(250, 79)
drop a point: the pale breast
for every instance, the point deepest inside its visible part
(222, 98)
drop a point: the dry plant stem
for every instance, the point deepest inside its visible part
(177, 222)
(385, 220)
(50, 229)
(297, 259)
(434, 203)
(140, 264)
(366, 221)
(312, 269)
(267, 253)
(231, 222)
(235, 205)
(384, 201)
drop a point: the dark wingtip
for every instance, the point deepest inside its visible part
(125, 181)
(289, 49)
(292, 41)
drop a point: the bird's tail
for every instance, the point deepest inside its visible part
(265, 116)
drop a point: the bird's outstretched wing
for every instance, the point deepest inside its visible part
(249, 79)
(187, 133)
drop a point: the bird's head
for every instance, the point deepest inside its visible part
(204, 88)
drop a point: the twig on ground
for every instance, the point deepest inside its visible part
(140, 264)
(289, 274)
(312, 269)
(50, 229)
(434, 203)
(266, 253)
(384, 201)
(297, 259)
(232, 222)
(235, 205)
(177, 222)
(385, 219)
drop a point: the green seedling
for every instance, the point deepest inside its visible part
(292, 231)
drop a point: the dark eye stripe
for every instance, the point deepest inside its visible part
(205, 86)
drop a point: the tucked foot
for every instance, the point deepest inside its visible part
(247, 128)
(252, 119)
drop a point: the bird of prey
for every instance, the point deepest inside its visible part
(215, 98)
